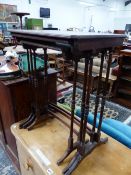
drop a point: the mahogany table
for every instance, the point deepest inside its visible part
(75, 45)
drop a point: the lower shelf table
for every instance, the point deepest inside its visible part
(40, 148)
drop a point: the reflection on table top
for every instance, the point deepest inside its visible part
(68, 34)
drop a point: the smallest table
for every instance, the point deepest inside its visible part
(20, 15)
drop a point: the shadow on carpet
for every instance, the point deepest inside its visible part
(111, 110)
(6, 166)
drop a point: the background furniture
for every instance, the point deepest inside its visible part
(20, 15)
(62, 66)
(80, 78)
(35, 157)
(111, 81)
(7, 25)
(33, 23)
(114, 128)
(13, 108)
(6, 38)
(95, 74)
(123, 89)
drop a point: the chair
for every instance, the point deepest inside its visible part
(114, 128)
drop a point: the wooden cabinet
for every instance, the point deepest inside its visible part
(28, 164)
(12, 94)
(15, 105)
(40, 149)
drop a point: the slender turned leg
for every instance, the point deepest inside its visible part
(33, 118)
(29, 75)
(71, 146)
(46, 79)
(94, 135)
(84, 97)
(38, 110)
(87, 99)
(85, 148)
(83, 105)
(34, 80)
(36, 115)
(23, 122)
(84, 113)
(105, 91)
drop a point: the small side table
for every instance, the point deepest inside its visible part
(20, 15)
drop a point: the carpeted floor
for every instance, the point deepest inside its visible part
(112, 110)
(6, 166)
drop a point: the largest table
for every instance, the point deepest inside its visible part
(74, 47)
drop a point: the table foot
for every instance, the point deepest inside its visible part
(73, 164)
(34, 122)
(30, 121)
(21, 125)
(88, 148)
(71, 147)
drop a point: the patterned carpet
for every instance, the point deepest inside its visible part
(112, 110)
(6, 167)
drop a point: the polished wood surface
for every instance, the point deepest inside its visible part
(80, 41)
(67, 34)
(49, 140)
(74, 45)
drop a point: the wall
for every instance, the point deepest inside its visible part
(64, 13)
(123, 17)
(103, 14)
(69, 13)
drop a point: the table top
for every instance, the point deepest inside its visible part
(50, 141)
(20, 13)
(77, 42)
(69, 34)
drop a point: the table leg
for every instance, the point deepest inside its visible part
(71, 145)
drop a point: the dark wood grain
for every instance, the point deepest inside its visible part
(82, 41)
